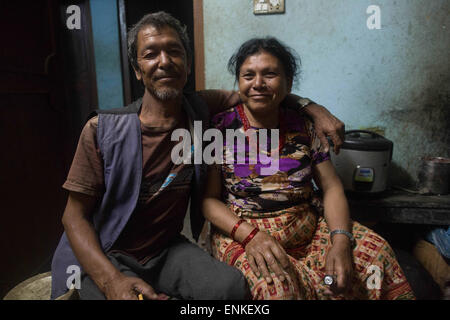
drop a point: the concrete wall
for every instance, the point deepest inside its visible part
(395, 79)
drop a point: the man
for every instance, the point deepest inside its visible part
(128, 200)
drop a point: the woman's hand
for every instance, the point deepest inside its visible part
(264, 252)
(339, 262)
(339, 257)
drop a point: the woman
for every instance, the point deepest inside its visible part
(267, 225)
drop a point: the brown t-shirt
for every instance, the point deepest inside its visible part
(159, 215)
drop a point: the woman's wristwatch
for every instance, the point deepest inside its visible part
(339, 231)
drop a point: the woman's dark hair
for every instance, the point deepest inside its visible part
(287, 56)
(158, 20)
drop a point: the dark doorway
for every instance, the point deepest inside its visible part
(32, 136)
(40, 119)
(130, 12)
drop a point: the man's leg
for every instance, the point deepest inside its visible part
(183, 270)
(188, 272)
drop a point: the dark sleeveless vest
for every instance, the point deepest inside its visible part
(119, 140)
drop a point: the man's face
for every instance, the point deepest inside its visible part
(162, 61)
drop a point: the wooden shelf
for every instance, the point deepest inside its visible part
(400, 207)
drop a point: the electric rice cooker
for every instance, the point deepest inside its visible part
(363, 161)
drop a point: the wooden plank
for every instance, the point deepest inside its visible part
(428, 216)
(401, 199)
(199, 49)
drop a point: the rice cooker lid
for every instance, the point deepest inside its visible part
(366, 141)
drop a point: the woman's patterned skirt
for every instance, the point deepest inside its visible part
(306, 239)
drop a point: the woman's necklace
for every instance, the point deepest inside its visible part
(282, 127)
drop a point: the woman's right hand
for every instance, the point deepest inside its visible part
(264, 252)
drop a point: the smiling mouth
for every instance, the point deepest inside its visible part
(166, 78)
(261, 96)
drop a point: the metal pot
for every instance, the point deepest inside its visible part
(433, 176)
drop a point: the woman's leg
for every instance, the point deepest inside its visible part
(233, 254)
(376, 272)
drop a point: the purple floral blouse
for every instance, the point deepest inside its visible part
(248, 186)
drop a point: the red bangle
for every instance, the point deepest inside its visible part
(236, 226)
(249, 237)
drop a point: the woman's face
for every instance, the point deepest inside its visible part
(262, 82)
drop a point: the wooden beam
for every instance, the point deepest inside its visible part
(199, 49)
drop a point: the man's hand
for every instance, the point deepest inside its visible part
(128, 288)
(326, 125)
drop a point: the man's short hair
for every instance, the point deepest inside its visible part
(158, 20)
